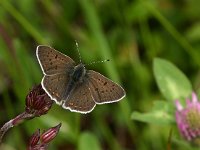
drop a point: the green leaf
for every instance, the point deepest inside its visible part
(161, 114)
(88, 141)
(172, 83)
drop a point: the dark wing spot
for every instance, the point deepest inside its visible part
(105, 83)
(56, 56)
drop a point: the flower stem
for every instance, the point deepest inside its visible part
(14, 122)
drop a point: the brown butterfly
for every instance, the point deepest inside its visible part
(71, 85)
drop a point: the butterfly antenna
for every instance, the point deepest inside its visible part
(97, 62)
(77, 47)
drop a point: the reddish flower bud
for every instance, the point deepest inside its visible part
(38, 102)
(41, 141)
(35, 138)
(50, 134)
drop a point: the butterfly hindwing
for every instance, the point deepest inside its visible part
(55, 86)
(80, 99)
(103, 89)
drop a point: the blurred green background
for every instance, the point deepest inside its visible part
(129, 33)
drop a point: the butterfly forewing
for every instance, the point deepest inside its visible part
(103, 89)
(80, 99)
(55, 86)
(52, 61)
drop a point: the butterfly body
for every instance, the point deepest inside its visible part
(77, 76)
(72, 86)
